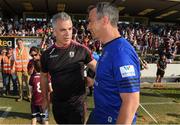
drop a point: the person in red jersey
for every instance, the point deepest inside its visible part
(36, 101)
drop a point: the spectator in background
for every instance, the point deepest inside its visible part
(2, 59)
(143, 64)
(21, 57)
(144, 44)
(74, 34)
(178, 47)
(9, 71)
(85, 41)
(161, 66)
(155, 46)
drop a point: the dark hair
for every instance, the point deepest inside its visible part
(9, 48)
(35, 49)
(106, 9)
(91, 7)
(19, 39)
(37, 65)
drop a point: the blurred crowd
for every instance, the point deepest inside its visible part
(153, 39)
(156, 39)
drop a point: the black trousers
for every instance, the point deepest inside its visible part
(68, 114)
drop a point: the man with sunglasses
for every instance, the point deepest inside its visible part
(35, 54)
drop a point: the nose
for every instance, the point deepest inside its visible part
(68, 32)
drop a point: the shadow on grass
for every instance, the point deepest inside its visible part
(156, 88)
(162, 93)
(174, 115)
(9, 97)
(15, 115)
(151, 94)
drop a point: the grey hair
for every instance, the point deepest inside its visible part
(60, 16)
(107, 9)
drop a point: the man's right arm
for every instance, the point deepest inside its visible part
(129, 106)
(44, 89)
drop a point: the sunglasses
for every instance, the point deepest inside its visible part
(33, 55)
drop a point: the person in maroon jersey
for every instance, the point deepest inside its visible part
(65, 61)
(36, 101)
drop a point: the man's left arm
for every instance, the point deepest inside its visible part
(129, 106)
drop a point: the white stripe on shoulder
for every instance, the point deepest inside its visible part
(51, 51)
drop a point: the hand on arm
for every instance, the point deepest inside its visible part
(30, 67)
(30, 70)
(92, 65)
(129, 106)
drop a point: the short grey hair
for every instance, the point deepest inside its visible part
(107, 9)
(60, 16)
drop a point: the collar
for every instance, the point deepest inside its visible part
(104, 45)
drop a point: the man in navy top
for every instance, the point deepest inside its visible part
(117, 80)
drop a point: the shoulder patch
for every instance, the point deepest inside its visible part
(127, 71)
(71, 54)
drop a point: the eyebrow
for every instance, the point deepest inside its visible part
(66, 29)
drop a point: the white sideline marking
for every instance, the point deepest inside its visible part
(5, 113)
(159, 103)
(156, 103)
(149, 114)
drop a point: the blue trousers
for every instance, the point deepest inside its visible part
(6, 81)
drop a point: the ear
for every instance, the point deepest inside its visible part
(54, 32)
(105, 20)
